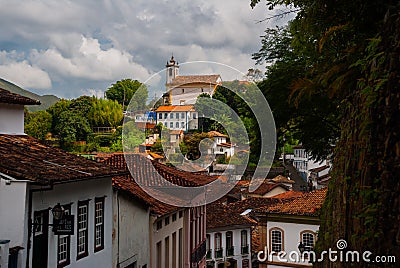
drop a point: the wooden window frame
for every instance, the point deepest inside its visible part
(98, 200)
(282, 238)
(80, 255)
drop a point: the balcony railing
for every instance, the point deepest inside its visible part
(218, 253)
(230, 251)
(208, 255)
(245, 249)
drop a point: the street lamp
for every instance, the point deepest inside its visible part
(58, 212)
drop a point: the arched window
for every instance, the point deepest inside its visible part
(218, 245)
(276, 239)
(307, 238)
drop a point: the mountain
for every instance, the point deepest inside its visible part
(45, 100)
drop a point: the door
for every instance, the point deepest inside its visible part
(40, 238)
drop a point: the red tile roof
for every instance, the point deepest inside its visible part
(288, 194)
(307, 204)
(216, 134)
(220, 215)
(282, 179)
(190, 79)
(148, 177)
(267, 187)
(12, 98)
(26, 158)
(175, 108)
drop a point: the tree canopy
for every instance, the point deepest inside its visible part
(122, 91)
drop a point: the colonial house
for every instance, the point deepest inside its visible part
(290, 225)
(184, 89)
(43, 187)
(320, 176)
(221, 147)
(228, 237)
(178, 117)
(177, 234)
(304, 162)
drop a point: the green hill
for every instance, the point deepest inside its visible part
(45, 100)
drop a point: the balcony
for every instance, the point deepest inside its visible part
(218, 253)
(208, 255)
(245, 249)
(230, 251)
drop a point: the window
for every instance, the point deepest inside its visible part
(158, 255)
(182, 115)
(170, 71)
(180, 214)
(166, 221)
(183, 90)
(165, 115)
(171, 115)
(194, 115)
(243, 242)
(174, 217)
(308, 239)
(160, 116)
(82, 243)
(166, 263)
(218, 245)
(64, 245)
(99, 224)
(159, 225)
(171, 124)
(166, 124)
(182, 124)
(177, 125)
(276, 239)
(229, 244)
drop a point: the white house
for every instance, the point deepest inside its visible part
(178, 117)
(304, 162)
(184, 89)
(291, 226)
(228, 236)
(43, 187)
(221, 147)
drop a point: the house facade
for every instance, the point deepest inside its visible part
(228, 240)
(291, 226)
(178, 117)
(304, 162)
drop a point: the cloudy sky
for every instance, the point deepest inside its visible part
(70, 48)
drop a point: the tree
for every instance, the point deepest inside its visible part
(38, 124)
(72, 127)
(56, 109)
(105, 113)
(123, 91)
(349, 52)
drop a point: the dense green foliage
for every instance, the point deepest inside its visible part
(38, 124)
(335, 68)
(123, 91)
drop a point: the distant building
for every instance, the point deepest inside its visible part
(184, 89)
(178, 117)
(304, 162)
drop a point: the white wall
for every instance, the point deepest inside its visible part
(11, 119)
(13, 215)
(74, 192)
(131, 239)
(291, 236)
(160, 235)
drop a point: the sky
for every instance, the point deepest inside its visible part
(71, 48)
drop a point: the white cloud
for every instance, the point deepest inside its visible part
(22, 73)
(91, 62)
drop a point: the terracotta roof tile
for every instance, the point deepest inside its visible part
(307, 204)
(216, 134)
(12, 98)
(175, 108)
(189, 79)
(24, 157)
(282, 179)
(319, 169)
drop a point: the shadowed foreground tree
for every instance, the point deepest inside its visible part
(350, 51)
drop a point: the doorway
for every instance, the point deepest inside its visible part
(40, 238)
